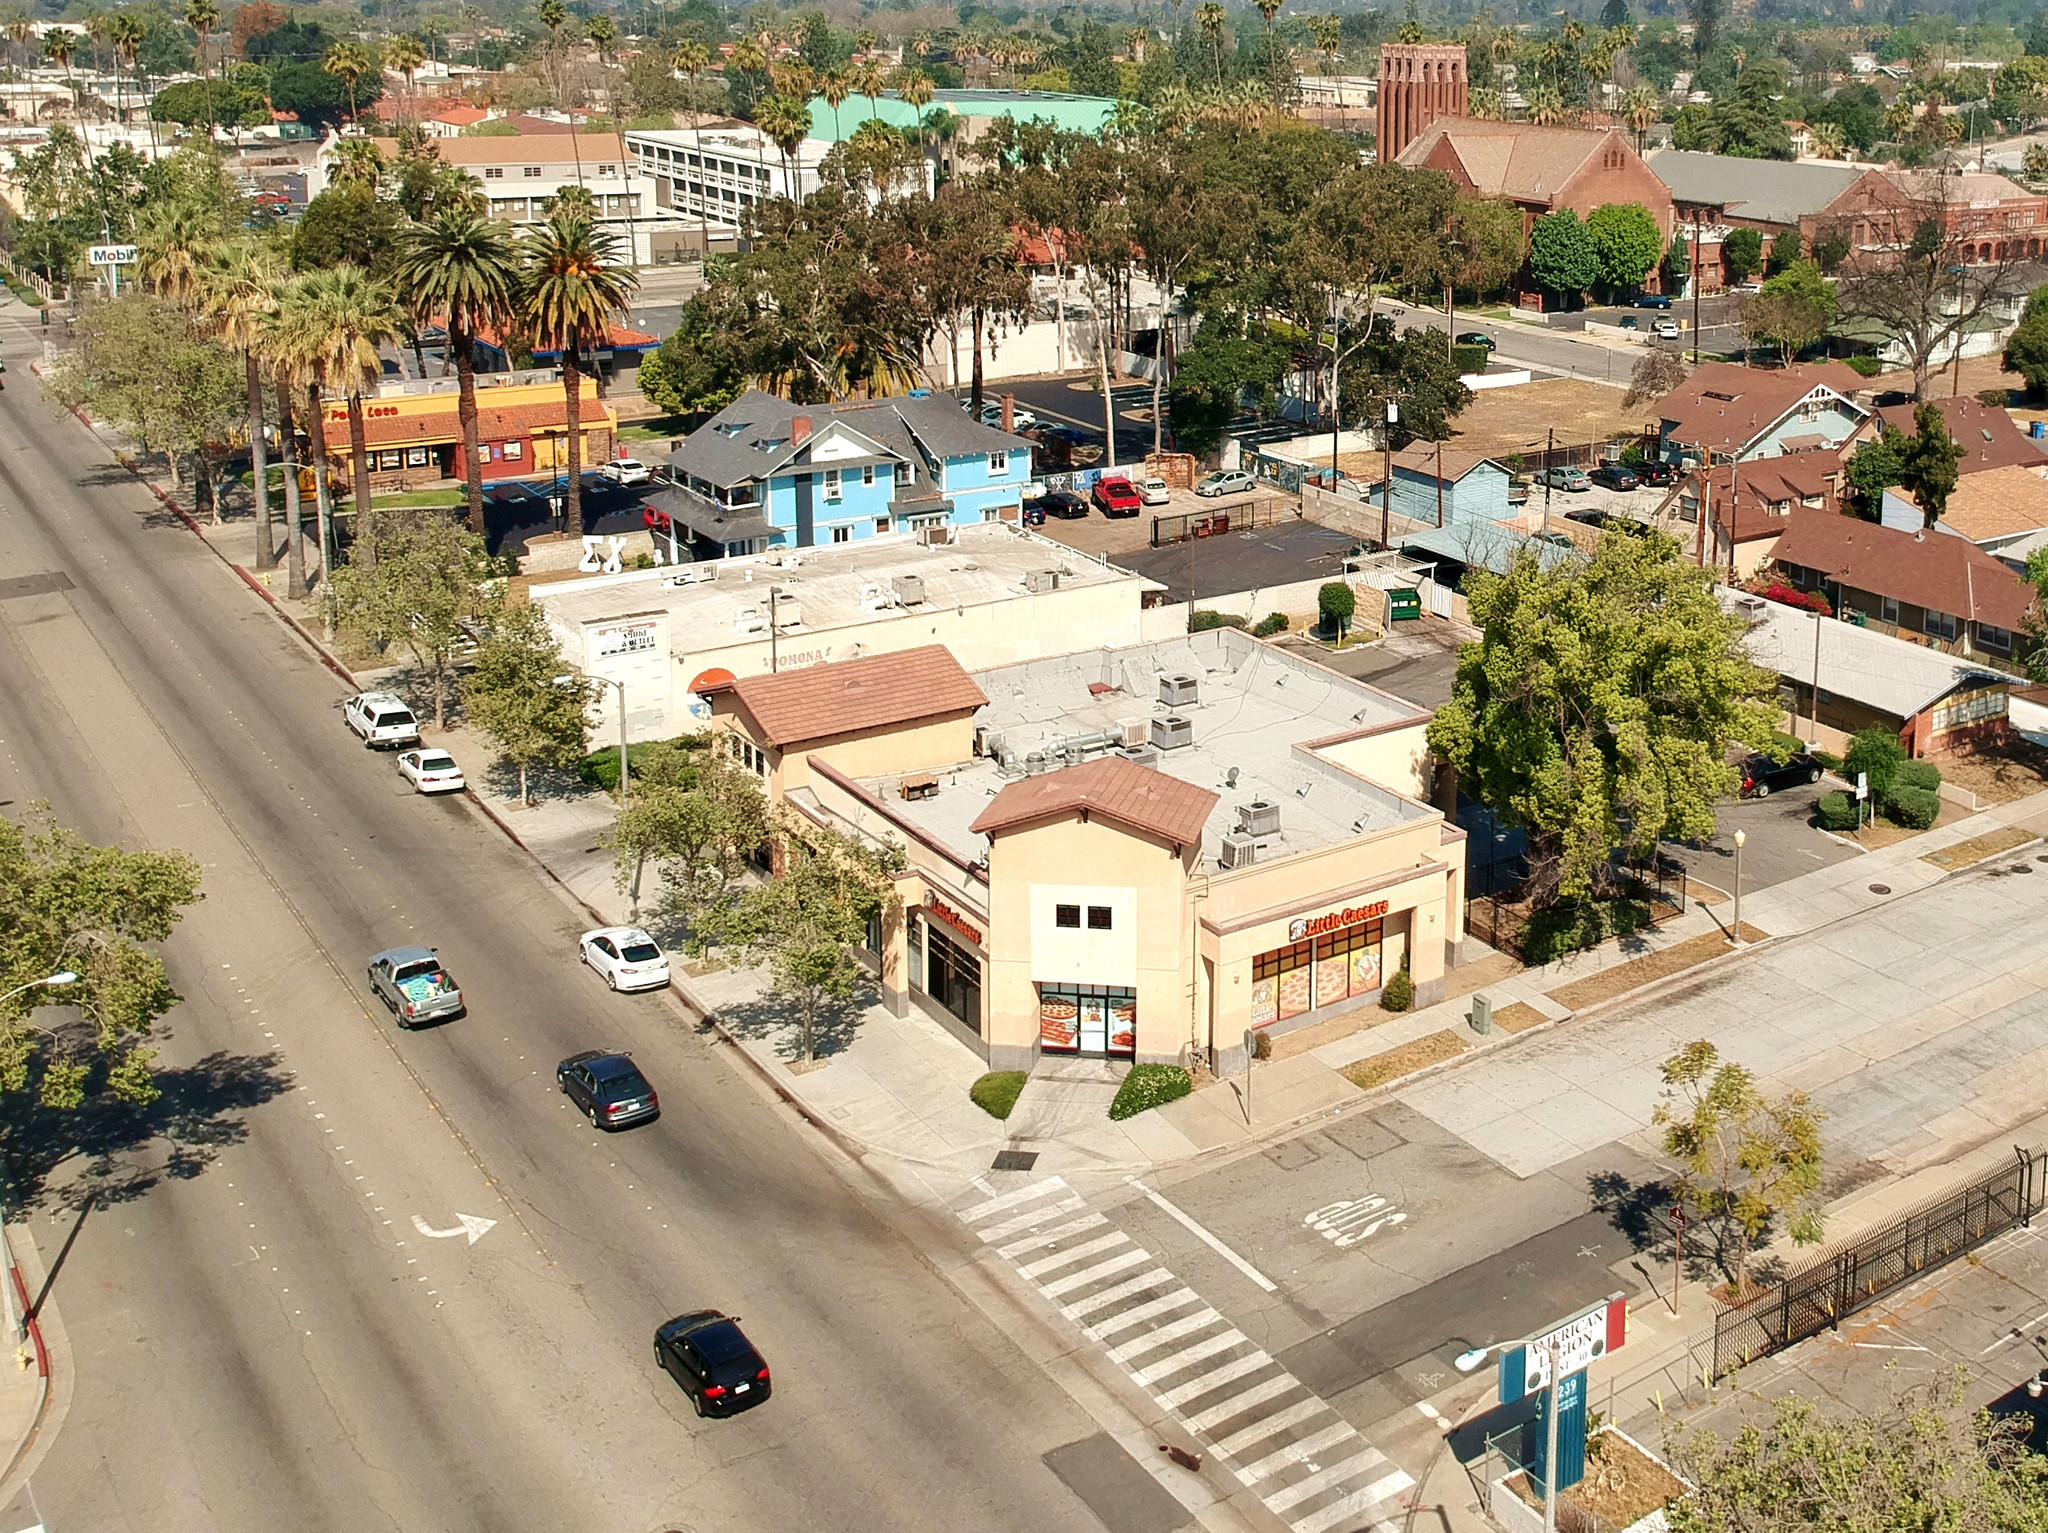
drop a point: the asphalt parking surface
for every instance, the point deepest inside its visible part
(1781, 841)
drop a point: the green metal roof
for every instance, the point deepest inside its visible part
(1074, 114)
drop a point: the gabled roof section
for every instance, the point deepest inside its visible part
(1764, 191)
(1724, 406)
(1423, 458)
(1989, 437)
(847, 696)
(1950, 575)
(2004, 502)
(1519, 160)
(1119, 790)
(753, 436)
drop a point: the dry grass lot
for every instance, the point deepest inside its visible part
(1420, 1054)
(1503, 421)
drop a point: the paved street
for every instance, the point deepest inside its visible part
(275, 1317)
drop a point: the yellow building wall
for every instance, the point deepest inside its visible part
(1393, 758)
(915, 747)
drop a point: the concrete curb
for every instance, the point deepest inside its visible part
(29, 1434)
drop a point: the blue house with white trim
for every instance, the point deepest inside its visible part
(764, 473)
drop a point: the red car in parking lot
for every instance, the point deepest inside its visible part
(1117, 497)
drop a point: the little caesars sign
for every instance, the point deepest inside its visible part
(1314, 926)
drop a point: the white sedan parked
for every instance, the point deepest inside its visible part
(626, 956)
(1153, 490)
(431, 771)
(627, 471)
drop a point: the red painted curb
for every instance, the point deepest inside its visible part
(35, 1327)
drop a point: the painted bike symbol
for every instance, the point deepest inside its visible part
(1344, 1224)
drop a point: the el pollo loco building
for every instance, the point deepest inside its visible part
(1136, 854)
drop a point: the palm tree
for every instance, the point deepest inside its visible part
(1267, 10)
(58, 48)
(835, 88)
(462, 268)
(235, 288)
(170, 240)
(603, 33)
(1210, 17)
(349, 314)
(2033, 164)
(1327, 33)
(1546, 106)
(202, 16)
(574, 287)
(554, 15)
(1484, 103)
(867, 81)
(299, 341)
(690, 59)
(921, 45)
(1827, 140)
(126, 31)
(1639, 110)
(787, 124)
(916, 92)
(865, 41)
(406, 54)
(348, 63)
(357, 162)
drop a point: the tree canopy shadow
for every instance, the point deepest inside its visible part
(774, 1018)
(116, 1151)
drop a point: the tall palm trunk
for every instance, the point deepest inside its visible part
(294, 512)
(572, 387)
(974, 398)
(465, 409)
(316, 431)
(359, 474)
(259, 467)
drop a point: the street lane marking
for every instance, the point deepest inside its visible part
(1123, 1320)
(1209, 1383)
(1270, 1426)
(1109, 1296)
(472, 1226)
(1301, 1490)
(1185, 1359)
(1350, 1220)
(1297, 1452)
(1237, 1405)
(1153, 1340)
(1206, 1238)
(1082, 1279)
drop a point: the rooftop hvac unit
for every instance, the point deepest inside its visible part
(1136, 732)
(788, 609)
(1034, 763)
(1258, 818)
(988, 742)
(1750, 608)
(935, 535)
(1172, 732)
(909, 589)
(1038, 582)
(874, 599)
(750, 620)
(1141, 755)
(1179, 690)
(1239, 851)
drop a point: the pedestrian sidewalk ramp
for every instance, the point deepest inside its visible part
(1310, 1466)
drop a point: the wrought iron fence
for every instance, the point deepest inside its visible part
(1840, 1281)
(1237, 516)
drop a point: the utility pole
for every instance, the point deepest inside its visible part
(1336, 399)
(1439, 484)
(1387, 472)
(1549, 447)
(1814, 720)
(1695, 286)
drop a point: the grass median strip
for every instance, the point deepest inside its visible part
(1968, 853)
(1419, 1054)
(1662, 964)
(1518, 1018)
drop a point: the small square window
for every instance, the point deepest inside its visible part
(531, 171)
(1098, 918)
(1067, 915)
(999, 463)
(881, 524)
(842, 534)
(867, 475)
(494, 172)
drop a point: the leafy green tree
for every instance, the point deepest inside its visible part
(699, 818)
(694, 371)
(1921, 1459)
(1745, 1159)
(1875, 751)
(2034, 655)
(67, 906)
(1742, 253)
(1491, 244)
(237, 102)
(1628, 240)
(2019, 93)
(346, 226)
(1749, 123)
(1598, 707)
(429, 586)
(1875, 466)
(1335, 605)
(1411, 368)
(1213, 376)
(1793, 311)
(1928, 466)
(2026, 350)
(512, 697)
(1693, 129)
(1563, 255)
(804, 923)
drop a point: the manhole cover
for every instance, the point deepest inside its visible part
(2041, 859)
(1015, 1160)
(1880, 888)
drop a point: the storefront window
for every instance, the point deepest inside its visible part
(1309, 975)
(953, 977)
(1088, 1019)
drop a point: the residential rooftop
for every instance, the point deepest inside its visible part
(1874, 669)
(1258, 715)
(840, 585)
(1767, 191)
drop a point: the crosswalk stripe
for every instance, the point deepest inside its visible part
(1209, 1383)
(1183, 1360)
(1237, 1405)
(1346, 1508)
(1036, 1217)
(1298, 1491)
(1096, 1273)
(1267, 1426)
(1109, 1296)
(1036, 1238)
(1297, 1452)
(1073, 1254)
(1137, 1314)
(1011, 1199)
(1152, 1340)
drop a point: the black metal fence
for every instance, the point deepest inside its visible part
(1849, 1277)
(1228, 517)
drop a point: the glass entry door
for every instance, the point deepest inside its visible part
(1094, 1024)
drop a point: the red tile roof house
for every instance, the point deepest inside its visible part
(1747, 517)
(1943, 592)
(1729, 413)
(1989, 437)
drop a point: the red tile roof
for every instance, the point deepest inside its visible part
(1119, 790)
(1927, 569)
(1726, 406)
(1760, 486)
(1988, 436)
(848, 695)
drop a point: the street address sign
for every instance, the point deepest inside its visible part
(1594, 1332)
(112, 255)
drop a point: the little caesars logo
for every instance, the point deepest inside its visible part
(1315, 926)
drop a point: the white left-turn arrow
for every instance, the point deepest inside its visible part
(471, 1226)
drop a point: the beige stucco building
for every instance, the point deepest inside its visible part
(1139, 853)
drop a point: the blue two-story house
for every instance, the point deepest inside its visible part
(1725, 413)
(764, 473)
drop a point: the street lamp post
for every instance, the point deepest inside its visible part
(565, 681)
(53, 981)
(1741, 839)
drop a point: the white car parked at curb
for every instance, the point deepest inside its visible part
(626, 956)
(431, 771)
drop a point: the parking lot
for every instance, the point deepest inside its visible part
(1099, 534)
(1781, 840)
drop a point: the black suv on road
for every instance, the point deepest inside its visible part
(709, 1355)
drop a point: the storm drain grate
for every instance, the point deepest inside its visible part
(1880, 888)
(1015, 1160)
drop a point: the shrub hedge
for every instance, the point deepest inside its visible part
(1837, 811)
(1917, 774)
(1878, 752)
(996, 1092)
(1914, 808)
(1202, 619)
(1566, 928)
(1270, 624)
(600, 769)
(1868, 367)
(1149, 1086)
(1399, 993)
(1470, 359)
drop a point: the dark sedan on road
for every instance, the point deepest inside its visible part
(1652, 301)
(1614, 477)
(1476, 338)
(1761, 776)
(709, 1355)
(608, 1088)
(1064, 504)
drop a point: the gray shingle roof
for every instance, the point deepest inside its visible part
(1766, 191)
(750, 438)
